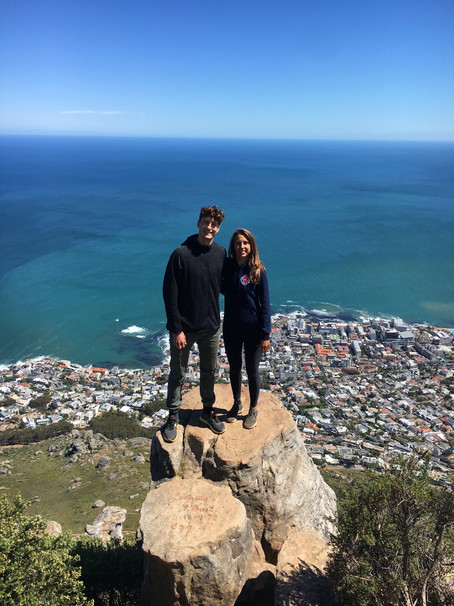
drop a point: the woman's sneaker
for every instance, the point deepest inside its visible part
(251, 420)
(170, 429)
(233, 413)
(209, 418)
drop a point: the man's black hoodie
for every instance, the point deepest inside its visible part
(192, 283)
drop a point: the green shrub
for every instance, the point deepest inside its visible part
(395, 540)
(28, 435)
(36, 568)
(41, 402)
(117, 424)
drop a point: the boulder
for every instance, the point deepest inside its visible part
(93, 444)
(103, 462)
(198, 544)
(267, 468)
(108, 524)
(53, 528)
(286, 501)
(138, 458)
(76, 447)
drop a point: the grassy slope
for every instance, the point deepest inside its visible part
(65, 492)
(67, 495)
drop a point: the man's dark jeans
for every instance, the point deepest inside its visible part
(208, 342)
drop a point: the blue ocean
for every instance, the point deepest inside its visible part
(345, 229)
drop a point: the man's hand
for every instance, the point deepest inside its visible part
(265, 345)
(179, 340)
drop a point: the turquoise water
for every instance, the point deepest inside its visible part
(87, 225)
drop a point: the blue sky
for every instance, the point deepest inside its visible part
(325, 69)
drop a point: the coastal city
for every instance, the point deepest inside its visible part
(361, 393)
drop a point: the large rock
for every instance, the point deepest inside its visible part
(198, 543)
(267, 469)
(76, 444)
(108, 524)
(53, 528)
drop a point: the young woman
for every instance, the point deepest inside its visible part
(247, 319)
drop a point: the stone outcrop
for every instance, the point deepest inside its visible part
(198, 542)
(108, 524)
(79, 443)
(264, 473)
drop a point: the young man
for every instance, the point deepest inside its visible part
(192, 283)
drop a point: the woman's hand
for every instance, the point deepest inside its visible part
(265, 345)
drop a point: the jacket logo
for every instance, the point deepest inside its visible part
(244, 280)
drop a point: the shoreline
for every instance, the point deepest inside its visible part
(360, 394)
(161, 337)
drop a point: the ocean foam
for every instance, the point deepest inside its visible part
(164, 344)
(137, 331)
(4, 367)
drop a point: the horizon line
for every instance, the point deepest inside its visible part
(219, 137)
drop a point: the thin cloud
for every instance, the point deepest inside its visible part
(92, 112)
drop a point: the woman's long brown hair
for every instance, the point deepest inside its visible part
(255, 265)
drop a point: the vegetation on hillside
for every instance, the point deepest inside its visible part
(36, 568)
(395, 540)
(151, 406)
(112, 424)
(41, 403)
(29, 435)
(117, 424)
(394, 545)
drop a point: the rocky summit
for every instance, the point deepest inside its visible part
(238, 518)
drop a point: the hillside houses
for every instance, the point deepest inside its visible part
(361, 392)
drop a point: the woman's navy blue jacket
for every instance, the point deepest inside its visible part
(247, 306)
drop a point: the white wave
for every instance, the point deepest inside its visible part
(26, 361)
(284, 310)
(289, 314)
(164, 341)
(136, 331)
(321, 312)
(164, 344)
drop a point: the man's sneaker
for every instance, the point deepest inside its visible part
(209, 418)
(233, 413)
(251, 420)
(170, 429)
